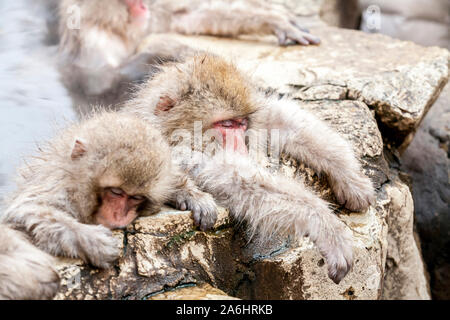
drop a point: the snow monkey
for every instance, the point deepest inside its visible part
(26, 273)
(210, 91)
(97, 175)
(99, 39)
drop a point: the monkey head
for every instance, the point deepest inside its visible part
(126, 18)
(207, 89)
(121, 168)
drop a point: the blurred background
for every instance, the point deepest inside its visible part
(33, 102)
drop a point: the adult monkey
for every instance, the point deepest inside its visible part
(99, 38)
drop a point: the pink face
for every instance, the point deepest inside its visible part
(117, 208)
(233, 134)
(138, 11)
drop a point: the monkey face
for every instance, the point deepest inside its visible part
(126, 164)
(117, 209)
(209, 91)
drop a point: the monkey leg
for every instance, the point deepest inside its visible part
(276, 204)
(225, 18)
(313, 142)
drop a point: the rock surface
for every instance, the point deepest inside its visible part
(427, 162)
(405, 271)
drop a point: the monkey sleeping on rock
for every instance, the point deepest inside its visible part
(95, 176)
(208, 95)
(99, 39)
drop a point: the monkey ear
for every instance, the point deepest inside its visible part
(79, 149)
(165, 104)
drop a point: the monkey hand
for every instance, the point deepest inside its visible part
(98, 246)
(288, 30)
(355, 192)
(336, 245)
(202, 205)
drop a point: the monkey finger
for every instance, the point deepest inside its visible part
(209, 218)
(303, 38)
(182, 206)
(298, 26)
(197, 216)
(281, 36)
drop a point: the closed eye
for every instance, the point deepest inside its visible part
(138, 198)
(117, 191)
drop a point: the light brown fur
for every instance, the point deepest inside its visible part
(25, 271)
(208, 89)
(58, 198)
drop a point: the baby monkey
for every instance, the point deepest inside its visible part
(98, 175)
(211, 96)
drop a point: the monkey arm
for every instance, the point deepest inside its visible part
(26, 272)
(60, 234)
(313, 142)
(233, 18)
(188, 197)
(272, 204)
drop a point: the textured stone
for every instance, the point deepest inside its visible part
(427, 162)
(200, 292)
(405, 275)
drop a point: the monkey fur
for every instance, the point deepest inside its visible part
(26, 273)
(97, 175)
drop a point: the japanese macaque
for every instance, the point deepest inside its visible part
(95, 176)
(207, 90)
(26, 273)
(99, 39)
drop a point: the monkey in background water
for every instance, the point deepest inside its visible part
(99, 63)
(209, 91)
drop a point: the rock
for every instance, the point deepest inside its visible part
(405, 274)
(427, 162)
(201, 292)
(397, 79)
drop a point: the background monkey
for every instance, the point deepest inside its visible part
(98, 57)
(96, 176)
(215, 93)
(26, 273)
